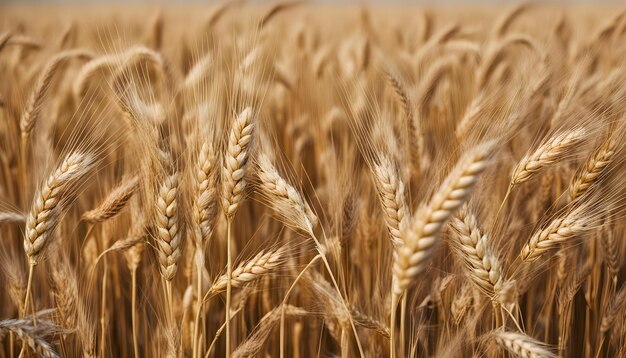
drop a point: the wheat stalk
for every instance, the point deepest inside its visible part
(238, 147)
(288, 202)
(420, 237)
(204, 212)
(7, 217)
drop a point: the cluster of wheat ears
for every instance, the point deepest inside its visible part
(297, 180)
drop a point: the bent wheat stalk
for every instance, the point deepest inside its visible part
(288, 203)
(420, 237)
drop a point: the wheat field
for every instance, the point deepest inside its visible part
(294, 179)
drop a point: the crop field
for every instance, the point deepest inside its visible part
(301, 179)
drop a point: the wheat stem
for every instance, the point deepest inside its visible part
(26, 299)
(134, 311)
(229, 272)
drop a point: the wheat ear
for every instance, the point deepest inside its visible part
(420, 236)
(610, 250)
(32, 335)
(169, 238)
(474, 249)
(50, 203)
(251, 270)
(236, 160)
(284, 198)
(12, 217)
(521, 345)
(592, 169)
(415, 135)
(558, 231)
(391, 193)
(205, 195)
(553, 150)
(65, 291)
(35, 101)
(615, 310)
(113, 203)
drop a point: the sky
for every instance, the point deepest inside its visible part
(413, 2)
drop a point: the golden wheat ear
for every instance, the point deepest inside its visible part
(33, 335)
(236, 161)
(252, 270)
(521, 345)
(392, 198)
(553, 150)
(560, 230)
(284, 199)
(51, 201)
(420, 238)
(474, 249)
(114, 202)
(169, 237)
